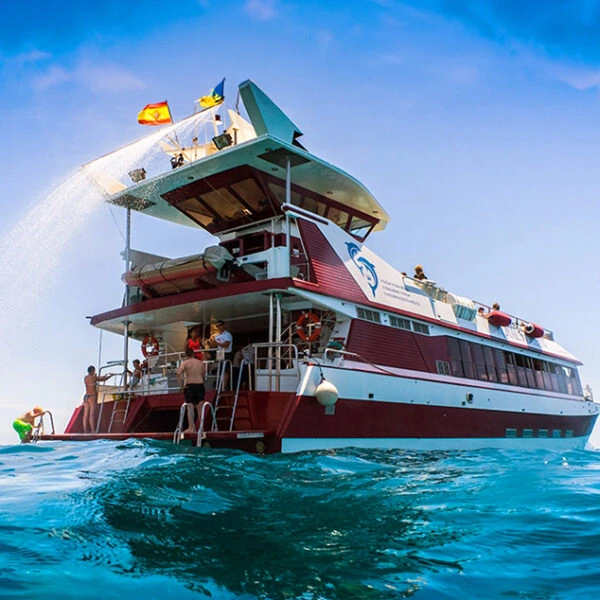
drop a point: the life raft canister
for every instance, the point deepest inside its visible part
(150, 346)
(302, 327)
(499, 319)
(533, 330)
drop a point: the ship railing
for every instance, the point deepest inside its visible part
(436, 292)
(276, 365)
(216, 366)
(39, 429)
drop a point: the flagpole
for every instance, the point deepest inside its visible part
(173, 122)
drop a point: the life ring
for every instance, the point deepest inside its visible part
(302, 327)
(150, 346)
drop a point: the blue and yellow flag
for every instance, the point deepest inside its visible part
(215, 97)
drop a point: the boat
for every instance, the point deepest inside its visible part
(340, 347)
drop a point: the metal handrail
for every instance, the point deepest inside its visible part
(237, 390)
(39, 428)
(201, 427)
(182, 411)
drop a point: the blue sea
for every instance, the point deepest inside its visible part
(145, 519)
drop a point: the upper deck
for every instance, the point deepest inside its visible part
(237, 177)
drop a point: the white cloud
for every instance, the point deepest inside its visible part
(32, 56)
(50, 78)
(106, 77)
(261, 10)
(578, 77)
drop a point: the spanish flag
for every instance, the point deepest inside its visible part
(155, 114)
(215, 97)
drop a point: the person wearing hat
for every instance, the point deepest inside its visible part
(24, 425)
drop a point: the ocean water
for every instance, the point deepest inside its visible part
(145, 519)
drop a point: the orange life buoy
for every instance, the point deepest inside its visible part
(303, 321)
(150, 346)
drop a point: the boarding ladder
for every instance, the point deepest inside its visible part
(38, 429)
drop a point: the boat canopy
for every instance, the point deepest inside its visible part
(220, 179)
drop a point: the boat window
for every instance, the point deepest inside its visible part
(443, 368)
(360, 228)
(490, 363)
(522, 371)
(501, 369)
(197, 211)
(312, 205)
(338, 216)
(562, 379)
(249, 191)
(279, 192)
(420, 328)
(368, 315)
(225, 204)
(552, 371)
(467, 359)
(400, 323)
(477, 352)
(572, 380)
(539, 376)
(455, 359)
(511, 368)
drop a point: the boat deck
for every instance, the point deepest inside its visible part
(250, 440)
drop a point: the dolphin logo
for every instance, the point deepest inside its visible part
(366, 268)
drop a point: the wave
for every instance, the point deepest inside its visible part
(147, 519)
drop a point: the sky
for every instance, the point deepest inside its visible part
(474, 123)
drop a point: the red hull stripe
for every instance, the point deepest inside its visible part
(364, 419)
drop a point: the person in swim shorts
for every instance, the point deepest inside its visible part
(24, 425)
(191, 372)
(90, 399)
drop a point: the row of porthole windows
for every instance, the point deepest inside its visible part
(476, 361)
(539, 433)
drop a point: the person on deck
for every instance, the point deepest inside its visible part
(90, 399)
(136, 376)
(191, 377)
(419, 274)
(195, 343)
(24, 425)
(222, 339)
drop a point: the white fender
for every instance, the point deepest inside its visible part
(326, 393)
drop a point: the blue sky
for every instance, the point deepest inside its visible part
(475, 124)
